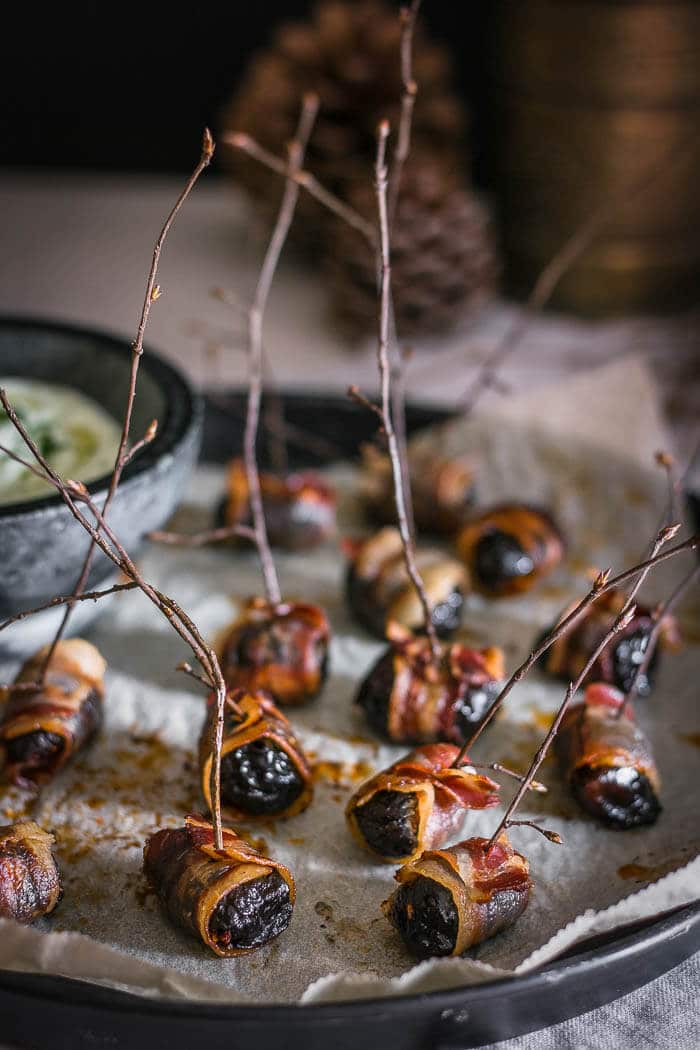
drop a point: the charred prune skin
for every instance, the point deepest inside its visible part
(627, 655)
(446, 615)
(472, 708)
(375, 692)
(499, 558)
(426, 918)
(34, 750)
(259, 778)
(619, 796)
(252, 913)
(260, 643)
(389, 823)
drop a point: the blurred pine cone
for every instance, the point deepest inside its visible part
(444, 261)
(349, 54)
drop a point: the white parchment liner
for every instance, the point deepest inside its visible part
(584, 448)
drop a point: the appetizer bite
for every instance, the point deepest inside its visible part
(379, 589)
(264, 771)
(412, 697)
(620, 664)
(509, 548)
(607, 761)
(281, 647)
(30, 882)
(417, 803)
(451, 899)
(442, 488)
(42, 728)
(299, 508)
(232, 898)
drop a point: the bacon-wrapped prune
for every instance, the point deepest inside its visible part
(442, 489)
(451, 899)
(299, 508)
(417, 803)
(30, 883)
(281, 648)
(508, 548)
(41, 729)
(607, 760)
(618, 663)
(234, 900)
(411, 698)
(264, 771)
(379, 589)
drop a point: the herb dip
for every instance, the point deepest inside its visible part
(78, 438)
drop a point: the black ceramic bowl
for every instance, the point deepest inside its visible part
(41, 546)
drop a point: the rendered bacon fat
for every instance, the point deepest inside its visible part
(234, 900)
(379, 589)
(281, 648)
(607, 760)
(411, 699)
(449, 900)
(264, 771)
(617, 664)
(417, 803)
(299, 508)
(30, 884)
(508, 548)
(442, 489)
(41, 729)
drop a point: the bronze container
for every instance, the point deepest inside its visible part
(598, 102)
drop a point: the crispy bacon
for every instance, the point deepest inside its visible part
(379, 589)
(282, 649)
(30, 883)
(508, 548)
(40, 730)
(411, 700)
(607, 760)
(442, 489)
(451, 899)
(256, 750)
(417, 803)
(299, 508)
(617, 664)
(234, 900)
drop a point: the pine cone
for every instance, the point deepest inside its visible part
(349, 54)
(444, 260)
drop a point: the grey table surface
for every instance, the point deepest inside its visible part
(76, 248)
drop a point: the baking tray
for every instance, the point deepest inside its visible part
(53, 1013)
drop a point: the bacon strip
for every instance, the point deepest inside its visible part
(279, 648)
(30, 883)
(191, 876)
(262, 720)
(68, 706)
(442, 794)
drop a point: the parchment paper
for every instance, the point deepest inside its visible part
(585, 449)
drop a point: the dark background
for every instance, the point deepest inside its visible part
(107, 88)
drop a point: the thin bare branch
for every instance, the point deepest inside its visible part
(306, 181)
(63, 599)
(151, 295)
(285, 216)
(408, 100)
(202, 539)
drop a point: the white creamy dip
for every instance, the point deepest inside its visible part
(76, 435)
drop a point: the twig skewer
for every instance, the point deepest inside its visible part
(255, 347)
(124, 454)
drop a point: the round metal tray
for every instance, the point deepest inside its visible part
(53, 1013)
